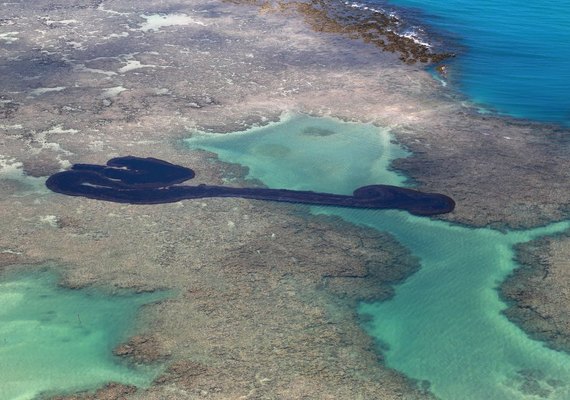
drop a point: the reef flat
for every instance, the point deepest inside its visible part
(538, 291)
(504, 172)
(266, 292)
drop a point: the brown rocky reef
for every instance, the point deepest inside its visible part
(111, 391)
(142, 349)
(538, 291)
(374, 27)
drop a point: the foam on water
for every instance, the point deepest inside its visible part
(445, 323)
(56, 340)
(514, 55)
(415, 33)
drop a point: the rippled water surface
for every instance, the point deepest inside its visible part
(445, 324)
(514, 55)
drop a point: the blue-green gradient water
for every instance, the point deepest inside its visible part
(444, 324)
(56, 340)
(514, 55)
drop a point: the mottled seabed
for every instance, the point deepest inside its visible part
(537, 292)
(85, 81)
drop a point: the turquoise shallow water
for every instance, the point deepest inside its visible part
(445, 324)
(513, 56)
(55, 340)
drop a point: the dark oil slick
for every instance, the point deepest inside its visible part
(137, 180)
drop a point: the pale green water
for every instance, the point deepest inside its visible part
(291, 154)
(58, 340)
(445, 324)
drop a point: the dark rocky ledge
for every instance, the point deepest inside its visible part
(376, 28)
(538, 291)
(143, 349)
(111, 391)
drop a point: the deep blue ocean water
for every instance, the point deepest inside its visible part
(513, 56)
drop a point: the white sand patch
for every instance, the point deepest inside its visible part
(101, 7)
(154, 22)
(117, 35)
(9, 251)
(9, 37)
(50, 22)
(64, 164)
(134, 64)
(113, 92)
(50, 220)
(43, 90)
(59, 129)
(131, 64)
(10, 127)
(41, 142)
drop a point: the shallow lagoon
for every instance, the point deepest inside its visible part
(55, 340)
(445, 324)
